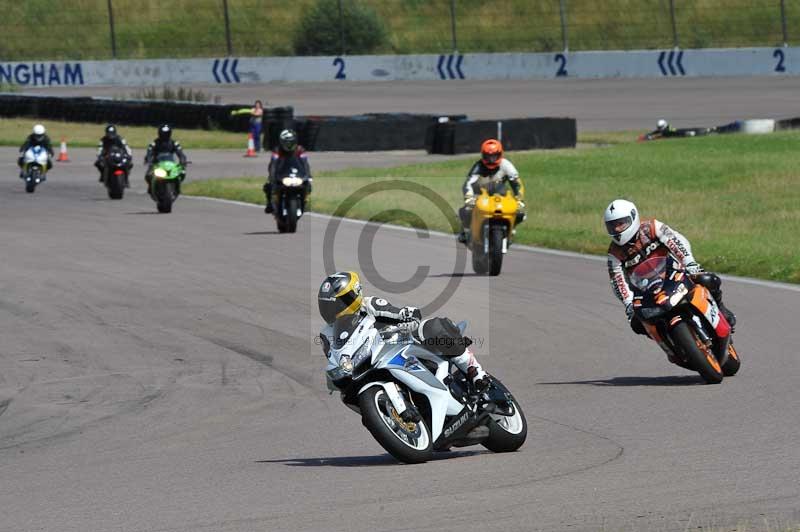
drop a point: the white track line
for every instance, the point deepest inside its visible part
(531, 249)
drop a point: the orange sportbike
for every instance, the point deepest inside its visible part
(491, 228)
(683, 318)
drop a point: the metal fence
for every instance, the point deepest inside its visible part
(126, 29)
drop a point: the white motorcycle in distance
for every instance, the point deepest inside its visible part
(412, 400)
(34, 167)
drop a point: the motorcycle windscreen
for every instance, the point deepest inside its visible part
(650, 273)
(290, 166)
(343, 329)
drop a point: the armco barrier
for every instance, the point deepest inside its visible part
(466, 136)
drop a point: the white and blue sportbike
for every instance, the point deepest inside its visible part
(34, 167)
(413, 400)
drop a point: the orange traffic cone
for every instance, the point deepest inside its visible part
(62, 153)
(251, 146)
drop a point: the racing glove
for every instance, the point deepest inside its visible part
(629, 311)
(410, 314)
(469, 201)
(693, 268)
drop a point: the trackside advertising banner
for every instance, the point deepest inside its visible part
(446, 67)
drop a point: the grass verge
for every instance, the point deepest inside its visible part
(736, 198)
(14, 130)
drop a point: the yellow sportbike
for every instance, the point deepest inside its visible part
(494, 217)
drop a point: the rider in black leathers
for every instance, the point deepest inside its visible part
(109, 139)
(289, 152)
(163, 147)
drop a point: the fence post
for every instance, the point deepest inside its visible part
(341, 29)
(111, 27)
(227, 28)
(675, 42)
(453, 24)
(783, 23)
(564, 39)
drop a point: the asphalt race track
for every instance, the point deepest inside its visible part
(608, 104)
(159, 373)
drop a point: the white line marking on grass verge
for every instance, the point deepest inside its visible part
(531, 249)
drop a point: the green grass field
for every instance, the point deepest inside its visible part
(50, 29)
(81, 135)
(737, 198)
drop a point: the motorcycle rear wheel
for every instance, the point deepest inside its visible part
(408, 442)
(732, 365)
(699, 356)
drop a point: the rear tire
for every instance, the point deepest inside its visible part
(380, 418)
(495, 250)
(480, 264)
(699, 356)
(507, 433)
(732, 365)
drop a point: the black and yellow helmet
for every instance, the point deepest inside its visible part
(339, 295)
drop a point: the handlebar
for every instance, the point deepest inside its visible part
(406, 327)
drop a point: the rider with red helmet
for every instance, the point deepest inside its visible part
(492, 168)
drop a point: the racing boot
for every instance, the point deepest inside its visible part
(714, 285)
(469, 366)
(267, 188)
(730, 317)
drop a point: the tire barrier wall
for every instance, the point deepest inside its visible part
(368, 132)
(445, 67)
(187, 115)
(466, 136)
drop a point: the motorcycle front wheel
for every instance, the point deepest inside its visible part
(115, 186)
(165, 192)
(495, 250)
(507, 433)
(699, 356)
(409, 442)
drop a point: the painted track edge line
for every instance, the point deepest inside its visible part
(531, 249)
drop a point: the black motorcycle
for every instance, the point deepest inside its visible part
(291, 192)
(115, 171)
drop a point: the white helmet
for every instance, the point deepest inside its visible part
(622, 221)
(38, 129)
(662, 124)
